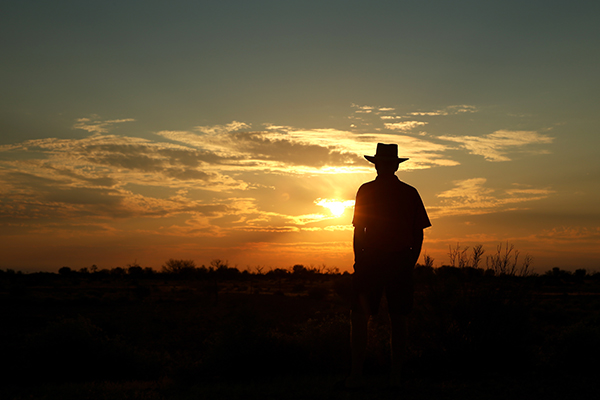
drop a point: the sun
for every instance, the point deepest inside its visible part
(336, 207)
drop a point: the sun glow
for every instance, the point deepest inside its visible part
(336, 207)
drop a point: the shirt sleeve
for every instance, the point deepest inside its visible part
(358, 219)
(421, 217)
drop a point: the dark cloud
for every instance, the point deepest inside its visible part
(135, 161)
(23, 180)
(187, 158)
(262, 147)
(99, 181)
(55, 190)
(28, 196)
(188, 174)
(175, 163)
(84, 196)
(32, 196)
(208, 210)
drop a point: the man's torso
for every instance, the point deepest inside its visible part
(391, 211)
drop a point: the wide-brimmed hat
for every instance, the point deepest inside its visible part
(386, 152)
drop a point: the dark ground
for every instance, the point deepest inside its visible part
(161, 337)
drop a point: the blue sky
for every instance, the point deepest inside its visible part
(154, 130)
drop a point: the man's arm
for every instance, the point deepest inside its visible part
(417, 245)
(359, 242)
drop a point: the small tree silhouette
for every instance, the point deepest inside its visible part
(135, 270)
(427, 260)
(506, 262)
(65, 271)
(476, 255)
(173, 266)
(458, 256)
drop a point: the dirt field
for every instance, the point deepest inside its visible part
(161, 337)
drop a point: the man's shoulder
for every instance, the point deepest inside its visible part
(365, 187)
(405, 186)
(376, 183)
(367, 184)
(401, 185)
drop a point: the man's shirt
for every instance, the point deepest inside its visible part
(391, 212)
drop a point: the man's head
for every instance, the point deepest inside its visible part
(386, 159)
(386, 167)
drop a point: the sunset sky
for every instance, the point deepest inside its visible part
(138, 131)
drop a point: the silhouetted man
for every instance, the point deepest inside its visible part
(389, 218)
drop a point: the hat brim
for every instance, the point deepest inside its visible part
(374, 159)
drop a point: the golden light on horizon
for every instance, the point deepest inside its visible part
(336, 207)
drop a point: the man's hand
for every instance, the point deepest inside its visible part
(360, 260)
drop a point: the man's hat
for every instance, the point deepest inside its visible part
(386, 152)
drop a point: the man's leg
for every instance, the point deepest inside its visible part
(400, 295)
(360, 325)
(399, 345)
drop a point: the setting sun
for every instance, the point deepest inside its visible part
(336, 207)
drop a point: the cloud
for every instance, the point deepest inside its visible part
(106, 181)
(187, 178)
(428, 113)
(48, 194)
(472, 197)
(363, 109)
(423, 154)
(570, 234)
(194, 179)
(470, 190)
(386, 117)
(319, 150)
(374, 110)
(266, 150)
(217, 129)
(110, 159)
(31, 197)
(96, 125)
(460, 109)
(450, 110)
(403, 126)
(494, 146)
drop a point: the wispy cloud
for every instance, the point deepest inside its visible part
(494, 146)
(428, 113)
(95, 124)
(31, 197)
(403, 126)
(450, 110)
(473, 197)
(570, 234)
(363, 109)
(389, 118)
(117, 160)
(218, 129)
